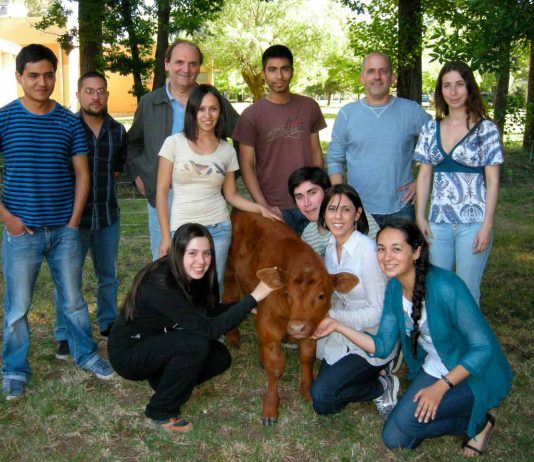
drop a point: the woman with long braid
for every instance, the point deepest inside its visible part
(458, 369)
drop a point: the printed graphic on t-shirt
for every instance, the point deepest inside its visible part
(202, 169)
(291, 128)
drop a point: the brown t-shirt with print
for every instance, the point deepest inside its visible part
(280, 135)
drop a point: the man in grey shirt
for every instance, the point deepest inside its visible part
(374, 139)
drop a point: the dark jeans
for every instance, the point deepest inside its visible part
(295, 220)
(407, 212)
(403, 430)
(349, 380)
(173, 364)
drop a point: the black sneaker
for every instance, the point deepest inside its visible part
(107, 331)
(62, 350)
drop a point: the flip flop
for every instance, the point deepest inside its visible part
(482, 450)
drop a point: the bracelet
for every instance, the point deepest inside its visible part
(447, 381)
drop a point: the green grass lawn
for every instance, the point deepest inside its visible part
(67, 415)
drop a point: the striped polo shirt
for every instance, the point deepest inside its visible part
(38, 175)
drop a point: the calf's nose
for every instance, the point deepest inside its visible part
(299, 328)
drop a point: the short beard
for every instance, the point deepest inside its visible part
(94, 113)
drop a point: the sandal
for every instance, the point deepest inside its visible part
(465, 444)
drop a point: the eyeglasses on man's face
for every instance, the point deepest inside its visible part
(97, 91)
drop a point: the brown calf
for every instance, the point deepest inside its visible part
(294, 310)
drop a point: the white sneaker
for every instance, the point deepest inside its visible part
(388, 400)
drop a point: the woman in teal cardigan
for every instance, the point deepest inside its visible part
(458, 369)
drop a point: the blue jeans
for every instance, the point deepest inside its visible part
(349, 380)
(295, 219)
(22, 258)
(403, 430)
(104, 246)
(221, 234)
(153, 228)
(407, 212)
(452, 245)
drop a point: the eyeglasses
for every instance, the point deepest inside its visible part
(92, 91)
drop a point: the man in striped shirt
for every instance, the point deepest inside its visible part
(46, 182)
(99, 226)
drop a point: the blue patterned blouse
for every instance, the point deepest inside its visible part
(458, 191)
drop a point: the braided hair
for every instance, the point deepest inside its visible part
(415, 239)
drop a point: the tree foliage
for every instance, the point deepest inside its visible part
(118, 35)
(179, 17)
(236, 40)
(486, 34)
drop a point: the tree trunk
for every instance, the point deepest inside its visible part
(90, 16)
(133, 44)
(501, 92)
(409, 77)
(255, 83)
(162, 43)
(528, 137)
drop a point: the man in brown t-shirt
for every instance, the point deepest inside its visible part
(278, 134)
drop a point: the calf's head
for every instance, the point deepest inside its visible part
(306, 294)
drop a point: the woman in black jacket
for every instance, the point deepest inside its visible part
(168, 326)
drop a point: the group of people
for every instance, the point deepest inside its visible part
(59, 202)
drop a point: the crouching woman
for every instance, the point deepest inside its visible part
(169, 324)
(458, 369)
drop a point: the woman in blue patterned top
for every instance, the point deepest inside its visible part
(461, 152)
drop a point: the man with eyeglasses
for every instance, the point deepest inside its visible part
(46, 183)
(99, 226)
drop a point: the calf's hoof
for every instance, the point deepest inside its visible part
(269, 421)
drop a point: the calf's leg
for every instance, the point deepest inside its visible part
(307, 358)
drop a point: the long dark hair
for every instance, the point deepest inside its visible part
(344, 189)
(474, 105)
(415, 239)
(201, 293)
(191, 110)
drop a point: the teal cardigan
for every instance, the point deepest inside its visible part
(460, 334)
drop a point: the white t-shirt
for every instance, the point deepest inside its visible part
(432, 364)
(197, 180)
(361, 308)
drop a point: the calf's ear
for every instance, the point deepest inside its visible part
(344, 282)
(273, 277)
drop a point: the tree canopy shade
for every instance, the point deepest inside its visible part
(486, 34)
(119, 34)
(245, 28)
(394, 27)
(176, 17)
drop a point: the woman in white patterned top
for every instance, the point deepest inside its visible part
(461, 152)
(199, 163)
